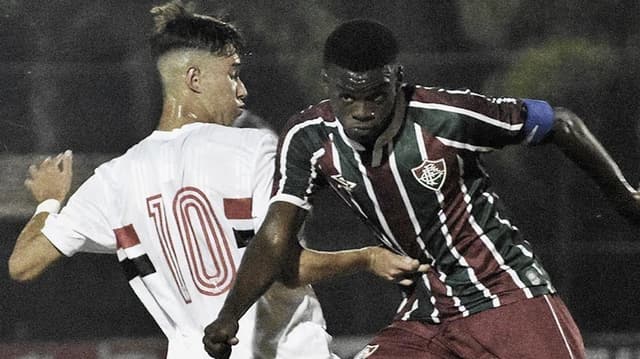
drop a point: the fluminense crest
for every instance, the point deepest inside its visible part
(431, 174)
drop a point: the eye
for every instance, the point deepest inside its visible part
(346, 98)
(234, 75)
(379, 98)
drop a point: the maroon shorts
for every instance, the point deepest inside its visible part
(539, 328)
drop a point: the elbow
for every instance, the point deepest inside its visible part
(20, 272)
(292, 283)
(292, 279)
(568, 124)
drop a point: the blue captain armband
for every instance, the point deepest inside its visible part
(539, 120)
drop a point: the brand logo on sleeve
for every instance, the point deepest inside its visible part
(367, 352)
(344, 183)
(431, 174)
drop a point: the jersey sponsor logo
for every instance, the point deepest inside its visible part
(431, 174)
(367, 351)
(343, 183)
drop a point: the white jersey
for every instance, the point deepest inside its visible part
(178, 209)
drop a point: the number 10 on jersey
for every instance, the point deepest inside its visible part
(203, 241)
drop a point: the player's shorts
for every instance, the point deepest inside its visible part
(534, 328)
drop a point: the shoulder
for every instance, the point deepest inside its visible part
(459, 101)
(319, 114)
(439, 95)
(212, 135)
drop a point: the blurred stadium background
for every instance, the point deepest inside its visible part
(77, 74)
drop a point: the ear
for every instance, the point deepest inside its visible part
(192, 79)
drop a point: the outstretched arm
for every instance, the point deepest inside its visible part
(33, 253)
(273, 250)
(275, 254)
(573, 137)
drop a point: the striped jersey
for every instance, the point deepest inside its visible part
(424, 193)
(178, 209)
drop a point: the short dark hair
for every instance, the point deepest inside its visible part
(361, 45)
(177, 27)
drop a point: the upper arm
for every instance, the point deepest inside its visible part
(262, 174)
(277, 238)
(296, 173)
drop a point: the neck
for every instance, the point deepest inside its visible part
(176, 114)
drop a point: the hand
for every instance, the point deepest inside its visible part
(632, 211)
(219, 336)
(394, 267)
(52, 178)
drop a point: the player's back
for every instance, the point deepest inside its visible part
(187, 202)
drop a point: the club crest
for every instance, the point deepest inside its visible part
(431, 174)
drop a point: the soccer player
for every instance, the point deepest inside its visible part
(179, 207)
(405, 157)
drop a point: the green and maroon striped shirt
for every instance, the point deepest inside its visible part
(424, 193)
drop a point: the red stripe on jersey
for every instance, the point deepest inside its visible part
(444, 303)
(326, 161)
(395, 213)
(126, 236)
(464, 237)
(238, 208)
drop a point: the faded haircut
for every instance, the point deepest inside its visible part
(178, 27)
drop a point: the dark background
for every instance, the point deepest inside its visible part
(77, 74)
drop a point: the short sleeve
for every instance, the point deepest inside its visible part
(296, 170)
(82, 225)
(263, 175)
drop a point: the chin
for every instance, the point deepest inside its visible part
(360, 138)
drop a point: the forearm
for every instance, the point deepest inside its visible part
(260, 267)
(33, 253)
(271, 255)
(576, 141)
(318, 265)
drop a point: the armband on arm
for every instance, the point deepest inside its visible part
(539, 120)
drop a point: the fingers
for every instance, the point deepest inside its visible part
(410, 276)
(46, 161)
(219, 350)
(32, 170)
(67, 162)
(62, 161)
(219, 337)
(406, 282)
(423, 268)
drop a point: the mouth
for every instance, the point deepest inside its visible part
(361, 128)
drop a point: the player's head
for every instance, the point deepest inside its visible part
(362, 77)
(198, 58)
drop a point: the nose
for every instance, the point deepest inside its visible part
(241, 91)
(363, 113)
